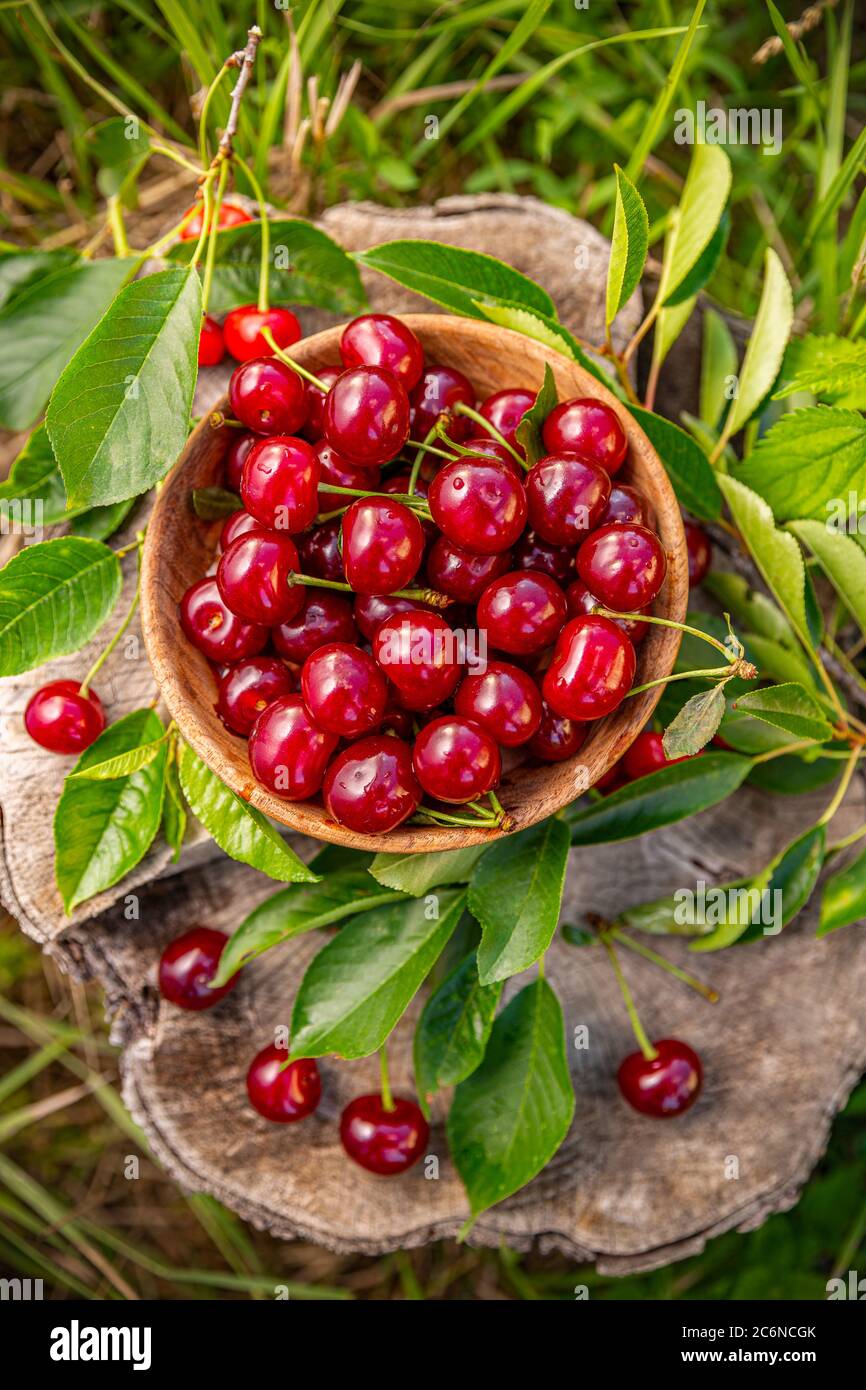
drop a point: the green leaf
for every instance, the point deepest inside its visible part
(704, 267)
(686, 463)
(121, 148)
(843, 562)
(307, 267)
(543, 329)
(509, 1117)
(458, 279)
(301, 908)
(174, 817)
(775, 553)
(766, 345)
(35, 475)
(669, 325)
(718, 366)
(749, 606)
(629, 245)
(515, 894)
(102, 829)
(42, 326)
(53, 597)
(120, 764)
(696, 723)
(809, 458)
(778, 661)
(528, 432)
(791, 775)
(828, 366)
(239, 829)
(772, 899)
(98, 523)
(663, 917)
(844, 897)
(453, 1030)
(19, 269)
(119, 415)
(788, 707)
(416, 874)
(360, 984)
(701, 206)
(214, 503)
(661, 798)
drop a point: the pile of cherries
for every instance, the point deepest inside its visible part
(352, 683)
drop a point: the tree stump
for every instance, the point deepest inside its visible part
(782, 1049)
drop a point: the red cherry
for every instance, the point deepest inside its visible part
(504, 700)
(288, 751)
(506, 409)
(371, 786)
(230, 215)
(700, 551)
(399, 483)
(267, 396)
(532, 553)
(248, 687)
(557, 737)
(314, 428)
(214, 629)
(647, 755)
(325, 617)
(588, 427)
(344, 690)
(187, 966)
(665, 1086)
(280, 483)
(283, 1093)
(383, 545)
(438, 391)
(492, 449)
(335, 469)
(592, 669)
(580, 601)
(456, 760)
(461, 574)
(566, 496)
(626, 505)
(236, 457)
(211, 348)
(399, 722)
(522, 612)
(58, 717)
(623, 565)
(383, 1141)
(244, 327)
(417, 653)
(371, 610)
(240, 523)
(480, 506)
(380, 340)
(366, 416)
(253, 578)
(320, 551)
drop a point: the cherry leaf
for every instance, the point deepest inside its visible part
(53, 598)
(697, 722)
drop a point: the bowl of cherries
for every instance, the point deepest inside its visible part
(392, 638)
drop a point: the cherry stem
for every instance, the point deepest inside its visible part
(422, 444)
(295, 366)
(265, 259)
(643, 1041)
(385, 1082)
(668, 622)
(210, 255)
(106, 653)
(462, 409)
(710, 994)
(422, 449)
(426, 814)
(848, 840)
(407, 497)
(216, 420)
(431, 596)
(504, 820)
(708, 674)
(844, 783)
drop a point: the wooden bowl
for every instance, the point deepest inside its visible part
(180, 548)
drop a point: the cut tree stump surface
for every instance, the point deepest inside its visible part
(782, 1049)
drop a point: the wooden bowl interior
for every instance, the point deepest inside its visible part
(180, 548)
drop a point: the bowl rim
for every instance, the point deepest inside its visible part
(171, 656)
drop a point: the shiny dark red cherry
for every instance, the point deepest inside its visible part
(580, 601)
(522, 612)
(504, 700)
(437, 392)
(366, 416)
(479, 505)
(592, 669)
(557, 737)
(325, 617)
(214, 629)
(335, 469)
(624, 566)
(280, 483)
(244, 327)
(456, 760)
(700, 551)
(647, 755)
(506, 409)
(320, 551)
(532, 553)
(253, 578)
(380, 340)
(211, 348)
(588, 427)
(283, 1093)
(371, 610)
(418, 653)
(187, 966)
(460, 573)
(58, 717)
(248, 687)
(288, 751)
(664, 1086)
(230, 215)
(399, 722)
(566, 497)
(383, 1141)
(314, 427)
(371, 786)
(242, 442)
(383, 545)
(626, 505)
(492, 449)
(344, 690)
(240, 523)
(267, 396)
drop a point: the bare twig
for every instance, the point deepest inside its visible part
(245, 60)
